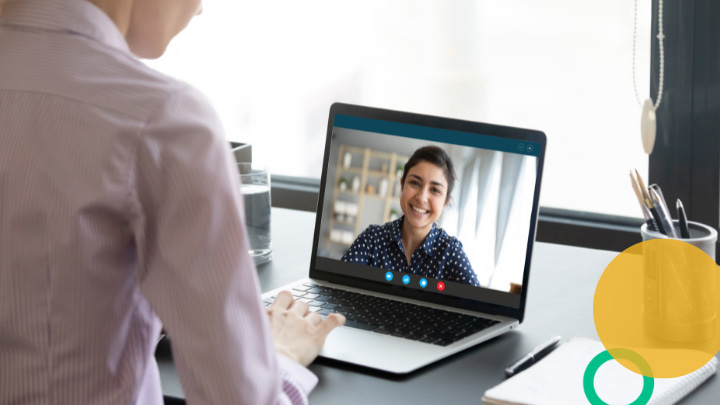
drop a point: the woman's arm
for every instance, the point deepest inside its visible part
(461, 267)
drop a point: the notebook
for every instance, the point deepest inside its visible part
(558, 379)
(385, 177)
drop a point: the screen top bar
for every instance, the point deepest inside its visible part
(437, 134)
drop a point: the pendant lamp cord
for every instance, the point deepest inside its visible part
(660, 38)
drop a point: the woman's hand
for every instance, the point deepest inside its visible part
(298, 333)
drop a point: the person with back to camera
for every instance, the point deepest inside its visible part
(120, 206)
(413, 243)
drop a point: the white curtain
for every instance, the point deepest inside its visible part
(490, 213)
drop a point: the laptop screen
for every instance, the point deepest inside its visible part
(429, 206)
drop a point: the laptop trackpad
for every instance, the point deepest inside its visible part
(344, 341)
(378, 351)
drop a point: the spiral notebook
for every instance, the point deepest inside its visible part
(558, 379)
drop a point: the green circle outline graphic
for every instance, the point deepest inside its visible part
(618, 353)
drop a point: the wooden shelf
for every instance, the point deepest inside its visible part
(349, 192)
(348, 223)
(377, 173)
(352, 169)
(370, 158)
(381, 155)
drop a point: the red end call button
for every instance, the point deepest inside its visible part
(440, 286)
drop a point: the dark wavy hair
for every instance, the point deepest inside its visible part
(436, 156)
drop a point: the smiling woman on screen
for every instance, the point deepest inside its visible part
(414, 243)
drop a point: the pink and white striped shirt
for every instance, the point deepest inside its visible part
(119, 205)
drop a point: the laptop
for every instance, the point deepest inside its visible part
(466, 282)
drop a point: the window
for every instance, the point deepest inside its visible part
(271, 69)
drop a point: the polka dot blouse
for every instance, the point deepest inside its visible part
(441, 256)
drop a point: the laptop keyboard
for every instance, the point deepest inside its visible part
(389, 317)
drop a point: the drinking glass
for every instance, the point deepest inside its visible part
(255, 187)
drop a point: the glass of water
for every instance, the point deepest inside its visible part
(255, 188)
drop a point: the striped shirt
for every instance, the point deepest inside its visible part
(119, 207)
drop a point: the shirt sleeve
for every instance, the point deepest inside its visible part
(359, 251)
(194, 266)
(463, 267)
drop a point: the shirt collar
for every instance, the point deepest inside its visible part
(429, 242)
(72, 16)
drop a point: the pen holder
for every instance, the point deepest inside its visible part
(679, 292)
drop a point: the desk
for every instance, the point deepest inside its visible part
(562, 284)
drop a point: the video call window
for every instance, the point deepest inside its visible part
(471, 230)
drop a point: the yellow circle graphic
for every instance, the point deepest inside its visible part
(661, 299)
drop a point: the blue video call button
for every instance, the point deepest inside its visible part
(388, 276)
(406, 279)
(423, 282)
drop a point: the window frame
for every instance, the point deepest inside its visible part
(686, 157)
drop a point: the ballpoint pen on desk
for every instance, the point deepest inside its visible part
(644, 208)
(535, 355)
(663, 212)
(682, 220)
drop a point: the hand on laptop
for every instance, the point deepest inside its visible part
(298, 333)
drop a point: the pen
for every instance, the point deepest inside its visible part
(695, 300)
(682, 220)
(662, 210)
(535, 355)
(659, 192)
(653, 209)
(656, 216)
